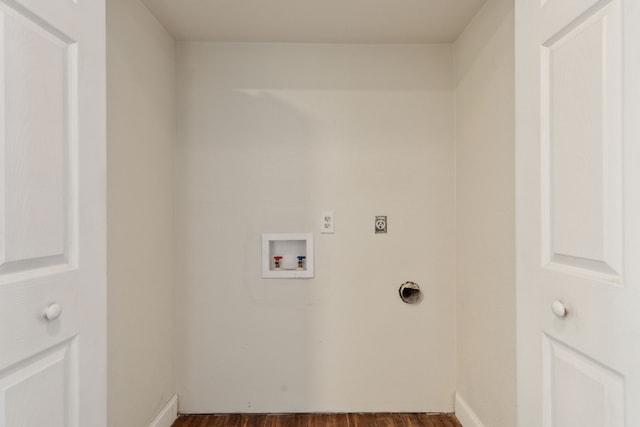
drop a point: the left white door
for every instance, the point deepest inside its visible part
(52, 213)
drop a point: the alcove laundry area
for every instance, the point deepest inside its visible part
(339, 212)
(214, 140)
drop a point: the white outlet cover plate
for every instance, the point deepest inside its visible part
(328, 222)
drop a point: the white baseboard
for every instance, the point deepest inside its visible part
(465, 414)
(167, 414)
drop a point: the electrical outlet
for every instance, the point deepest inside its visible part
(328, 225)
(381, 224)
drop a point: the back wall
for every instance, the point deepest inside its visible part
(269, 136)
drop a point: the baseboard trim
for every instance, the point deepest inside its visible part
(465, 414)
(167, 414)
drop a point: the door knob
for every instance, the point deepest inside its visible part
(559, 309)
(53, 312)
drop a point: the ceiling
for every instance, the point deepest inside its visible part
(317, 21)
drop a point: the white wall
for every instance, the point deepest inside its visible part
(269, 135)
(141, 135)
(485, 243)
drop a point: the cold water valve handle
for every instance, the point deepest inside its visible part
(301, 262)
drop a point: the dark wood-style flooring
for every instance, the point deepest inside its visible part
(319, 420)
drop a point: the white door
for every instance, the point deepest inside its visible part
(52, 213)
(578, 212)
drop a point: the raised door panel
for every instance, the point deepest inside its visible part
(41, 390)
(38, 143)
(582, 146)
(579, 391)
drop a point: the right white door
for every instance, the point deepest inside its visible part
(578, 212)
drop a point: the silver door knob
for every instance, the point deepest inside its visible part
(53, 312)
(559, 309)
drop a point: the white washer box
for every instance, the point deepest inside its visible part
(290, 246)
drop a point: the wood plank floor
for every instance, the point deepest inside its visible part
(319, 420)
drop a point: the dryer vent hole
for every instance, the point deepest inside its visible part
(410, 292)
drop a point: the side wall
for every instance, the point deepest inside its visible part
(269, 136)
(141, 136)
(485, 219)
